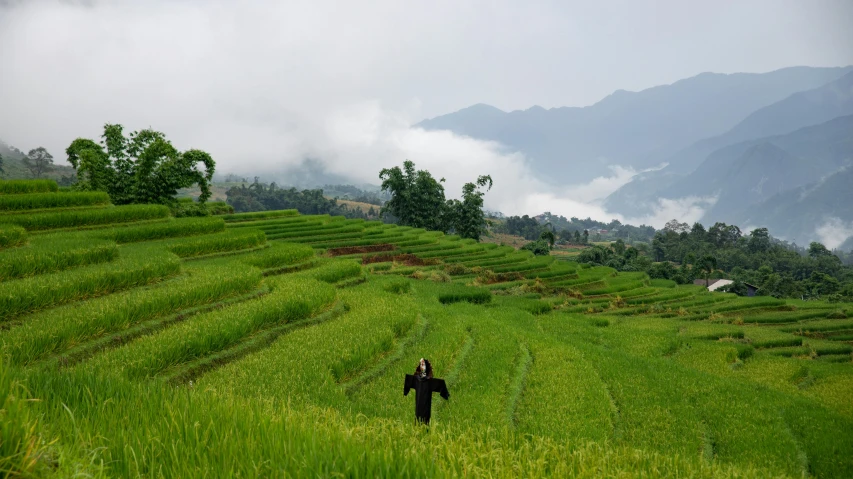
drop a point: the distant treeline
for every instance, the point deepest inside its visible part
(683, 254)
(262, 197)
(353, 193)
(572, 230)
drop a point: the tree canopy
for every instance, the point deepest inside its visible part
(417, 200)
(38, 162)
(142, 167)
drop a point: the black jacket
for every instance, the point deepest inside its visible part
(423, 394)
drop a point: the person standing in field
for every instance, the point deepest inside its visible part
(424, 385)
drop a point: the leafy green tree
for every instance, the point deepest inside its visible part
(585, 239)
(39, 162)
(417, 199)
(2, 171)
(759, 241)
(548, 236)
(142, 167)
(577, 237)
(538, 247)
(466, 217)
(619, 247)
(707, 265)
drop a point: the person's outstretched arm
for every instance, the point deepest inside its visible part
(407, 384)
(442, 390)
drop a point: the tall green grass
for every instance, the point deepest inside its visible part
(57, 330)
(290, 300)
(17, 187)
(280, 254)
(237, 217)
(135, 267)
(69, 219)
(174, 228)
(31, 201)
(465, 293)
(229, 240)
(12, 235)
(50, 254)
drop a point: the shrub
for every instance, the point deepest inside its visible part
(16, 187)
(31, 201)
(12, 235)
(68, 219)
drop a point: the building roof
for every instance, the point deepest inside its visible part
(713, 284)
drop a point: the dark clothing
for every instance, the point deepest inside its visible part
(423, 394)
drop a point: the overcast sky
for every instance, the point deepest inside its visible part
(267, 83)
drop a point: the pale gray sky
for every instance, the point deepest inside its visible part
(268, 82)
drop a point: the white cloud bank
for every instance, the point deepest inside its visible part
(833, 232)
(265, 85)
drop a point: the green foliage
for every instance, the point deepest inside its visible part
(539, 247)
(16, 187)
(19, 443)
(11, 236)
(260, 197)
(68, 219)
(399, 286)
(183, 209)
(38, 162)
(417, 200)
(31, 201)
(143, 167)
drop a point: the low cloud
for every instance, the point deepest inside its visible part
(833, 232)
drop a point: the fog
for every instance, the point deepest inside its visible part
(263, 85)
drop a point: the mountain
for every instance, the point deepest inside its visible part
(799, 110)
(807, 213)
(636, 129)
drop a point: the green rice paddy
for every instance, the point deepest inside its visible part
(274, 345)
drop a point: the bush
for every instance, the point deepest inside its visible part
(31, 201)
(68, 219)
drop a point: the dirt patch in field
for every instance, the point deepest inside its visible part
(404, 259)
(373, 248)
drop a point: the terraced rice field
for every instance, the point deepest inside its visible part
(274, 345)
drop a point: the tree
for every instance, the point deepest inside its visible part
(466, 217)
(585, 238)
(619, 247)
(817, 250)
(417, 199)
(39, 162)
(707, 265)
(548, 236)
(676, 227)
(2, 171)
(759, 241)
(577, 237)
(143, 167)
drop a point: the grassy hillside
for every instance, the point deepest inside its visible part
(273, 344)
